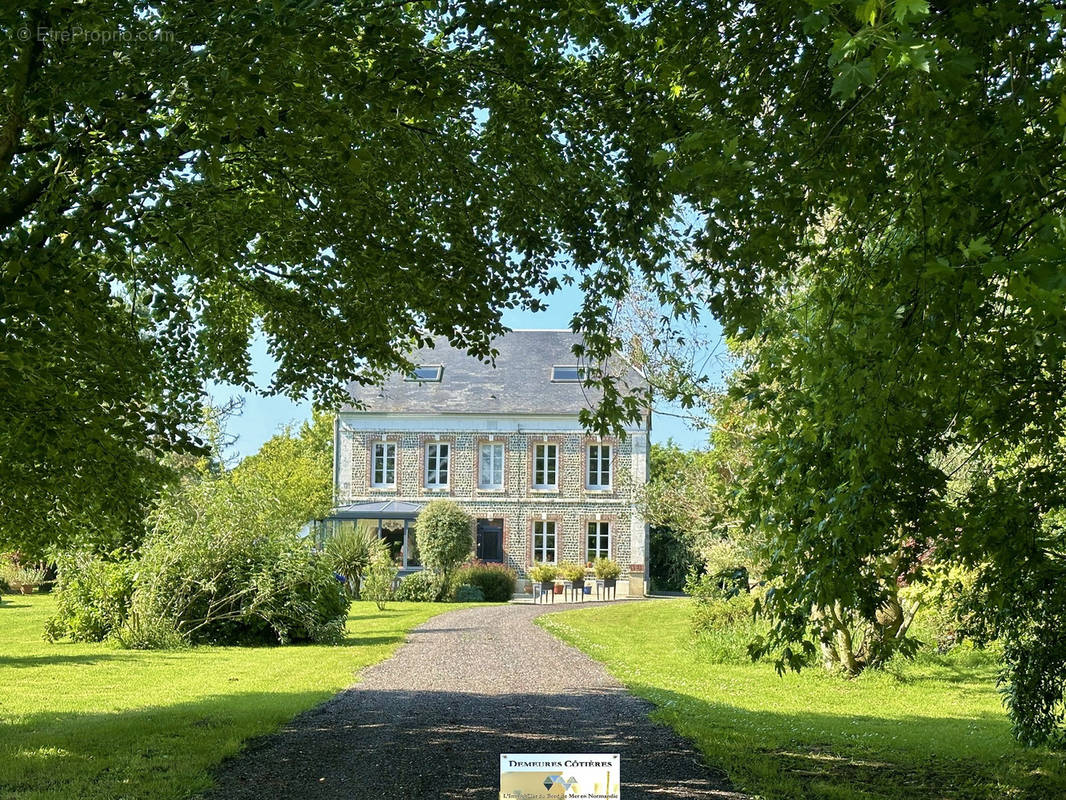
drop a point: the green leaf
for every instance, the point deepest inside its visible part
(903, 10)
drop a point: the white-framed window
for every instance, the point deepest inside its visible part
(546, 466)
(544, 541)
(490, 466)
(568, 373)
(598, 475)
(598, 541)
(426, 373)
(437, 457)
(383, 472)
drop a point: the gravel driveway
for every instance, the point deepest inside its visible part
(432, 721)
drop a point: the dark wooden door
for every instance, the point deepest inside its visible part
(490, 540)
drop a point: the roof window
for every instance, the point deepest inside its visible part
(426, 373)
(568, 373)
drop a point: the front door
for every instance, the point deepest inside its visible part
(490, 540)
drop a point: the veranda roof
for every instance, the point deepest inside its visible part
(380, 509)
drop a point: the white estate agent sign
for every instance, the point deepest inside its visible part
(588, 776)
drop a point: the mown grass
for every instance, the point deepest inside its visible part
(932, 728)
(91, 721)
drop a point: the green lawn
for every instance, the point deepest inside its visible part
(931, 728)
(90, 721)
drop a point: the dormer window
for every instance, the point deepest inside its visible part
(426, 373)
(568, 373)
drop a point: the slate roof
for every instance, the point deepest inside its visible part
(520, 383)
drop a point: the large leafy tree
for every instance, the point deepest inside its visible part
(348, 177)
(881, 220)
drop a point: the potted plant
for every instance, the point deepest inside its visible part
(25, 579)
(607, 570)
(545, 575)
(574, 574)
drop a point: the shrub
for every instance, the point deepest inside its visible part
(349, 553)
(465, 593)
(420, 587)
(673, 556)
(92, 596)
(722, 613)
(443, 535)
(380, 576)
(571, 572)
(238, 586)
(496, 581)
(607, 569)
(16, 572)
(542, 573)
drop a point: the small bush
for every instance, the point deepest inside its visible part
(380, 576)
(92, 597)
(420, 587)
(465, 593)
(496, 581)
(543, 573)
(720, 614)
(607, 569)
(16, 572)
(443, 535)
(571, 572)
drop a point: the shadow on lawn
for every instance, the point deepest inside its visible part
(366, 744)
(817, 755)
(57, 659)
(370, 743)
(133, 753)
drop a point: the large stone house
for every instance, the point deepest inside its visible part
(506, 445)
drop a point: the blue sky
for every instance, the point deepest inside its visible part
(263, 416)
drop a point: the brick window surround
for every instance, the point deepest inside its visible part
(558, 520)
(610, 519)
(606, 441)
(428, 439)
(531, 463)
(369, 440)
(478, 442)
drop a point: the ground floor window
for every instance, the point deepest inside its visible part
(544, 541)
(598, 544)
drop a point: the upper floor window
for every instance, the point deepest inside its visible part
(598, 543)
(545, 466)
(426, 373)
(544, 541)
(490, 466)
(568, 373)
(437, 455)
(599, 467)
(384, 465)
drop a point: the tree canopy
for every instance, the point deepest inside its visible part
(880, 200)
(349, 178)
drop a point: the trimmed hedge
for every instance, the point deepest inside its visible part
(496, 581)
